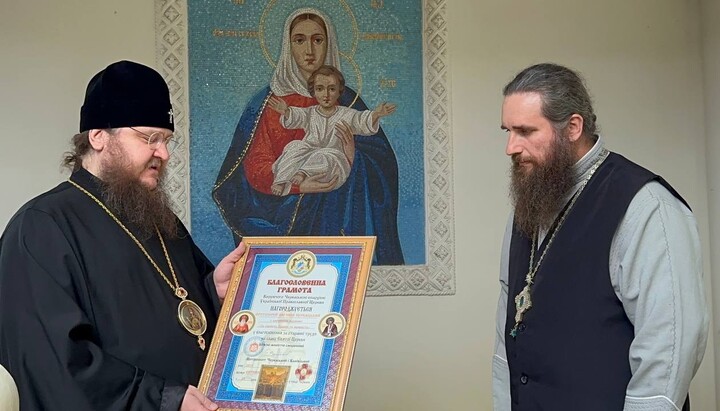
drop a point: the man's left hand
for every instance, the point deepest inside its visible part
(224, 270)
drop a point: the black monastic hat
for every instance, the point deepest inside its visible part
(126, 94)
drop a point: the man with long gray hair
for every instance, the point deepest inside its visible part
(602, 303)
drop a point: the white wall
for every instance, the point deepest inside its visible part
(642, 59)
(48, 52)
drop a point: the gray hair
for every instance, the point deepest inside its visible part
(73, 159)
(80, 147)
(563, 94)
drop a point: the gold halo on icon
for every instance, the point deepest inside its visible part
(358, 77)
(261, 33)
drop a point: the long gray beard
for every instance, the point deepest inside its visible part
(142, 208)
(539, 194)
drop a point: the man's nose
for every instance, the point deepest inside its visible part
(513, 144)
(162, 152)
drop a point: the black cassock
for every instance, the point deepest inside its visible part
(86, 322)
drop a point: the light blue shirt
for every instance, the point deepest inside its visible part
(657, 273)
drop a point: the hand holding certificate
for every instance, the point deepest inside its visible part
(287, 330)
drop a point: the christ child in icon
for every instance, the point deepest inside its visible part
(325, 151)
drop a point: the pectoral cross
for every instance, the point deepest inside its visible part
(171, 115)
(523, 302)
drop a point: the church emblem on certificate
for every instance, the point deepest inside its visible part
(301, 263)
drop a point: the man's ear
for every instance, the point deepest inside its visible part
(574, 128)
(98, 139)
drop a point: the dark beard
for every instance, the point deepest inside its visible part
(139, 207)
(539, 194)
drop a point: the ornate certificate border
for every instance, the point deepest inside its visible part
(288, 289)
(437, 276)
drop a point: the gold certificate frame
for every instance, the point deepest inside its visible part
(286, 334)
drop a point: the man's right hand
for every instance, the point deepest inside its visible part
(194, 400)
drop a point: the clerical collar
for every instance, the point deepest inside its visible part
(88, 181)
(583, 166)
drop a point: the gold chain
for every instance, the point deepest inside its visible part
(176, 287)
(186, 306)
(529, 279)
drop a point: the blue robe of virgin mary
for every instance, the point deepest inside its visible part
(366, 204)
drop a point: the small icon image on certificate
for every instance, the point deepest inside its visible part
(272, 383)
(331, 325)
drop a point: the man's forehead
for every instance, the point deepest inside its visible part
(529, 102)
(518, 109)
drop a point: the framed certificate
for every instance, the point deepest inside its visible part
(287, 330)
